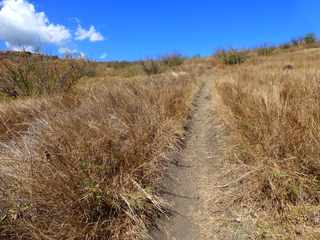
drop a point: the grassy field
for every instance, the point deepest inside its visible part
(271, 106)
(83, 145)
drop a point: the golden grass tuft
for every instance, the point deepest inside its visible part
(87, 166)
(274, 118)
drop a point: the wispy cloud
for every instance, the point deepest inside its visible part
(103, 56)
(65, 50)
(72, 52)
(91, 34)
(22, 27)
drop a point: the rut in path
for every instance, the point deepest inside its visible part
(191, 182)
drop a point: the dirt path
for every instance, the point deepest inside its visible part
(191, 185)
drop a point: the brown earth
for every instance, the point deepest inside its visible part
(198, 180)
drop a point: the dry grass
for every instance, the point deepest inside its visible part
(86, 166)
(274, 118)
(26, 74)
(232, 56)
(150, 66)
(17, 115)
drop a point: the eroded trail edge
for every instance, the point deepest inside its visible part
(193, 177)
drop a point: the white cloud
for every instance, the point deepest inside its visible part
(82, 55)
(103, 56)
(65, 50)
(71, 52)
(20, 48)
(24, 28)
(91, 34)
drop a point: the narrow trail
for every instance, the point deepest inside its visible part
(192, 180)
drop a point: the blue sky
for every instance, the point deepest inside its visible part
(139, 29)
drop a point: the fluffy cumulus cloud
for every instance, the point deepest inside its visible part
(22, 27)
(91, 34)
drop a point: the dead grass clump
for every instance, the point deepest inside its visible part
(275, 118)
(92, 172)
(17, 115)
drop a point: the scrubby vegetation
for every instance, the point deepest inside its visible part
(309, 40)
(265, 51)
(235, 57)
(273, 114)
(150, 66)
(85, 164)
(231, 57)
(173, 60)
(156, 66)
(83, 145)
(26, 74)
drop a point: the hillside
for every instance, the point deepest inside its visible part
(271, 107)
(225, 147)
(83, 145)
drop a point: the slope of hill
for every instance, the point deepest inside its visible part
(83, 161)
(85, 147)
(271, 106)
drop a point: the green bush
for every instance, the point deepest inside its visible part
(309, 39)
(231, 57)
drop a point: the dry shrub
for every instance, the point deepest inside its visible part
(232, 56)
(152, 66)
(34, 75)
(92, 172)
(275, 120)
(173, 60)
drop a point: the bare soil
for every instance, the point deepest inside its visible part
(200, 208)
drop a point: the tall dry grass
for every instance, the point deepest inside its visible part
(17, 115)
(150, 66)
(91, 171)
(274, 117)
(35, 75)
